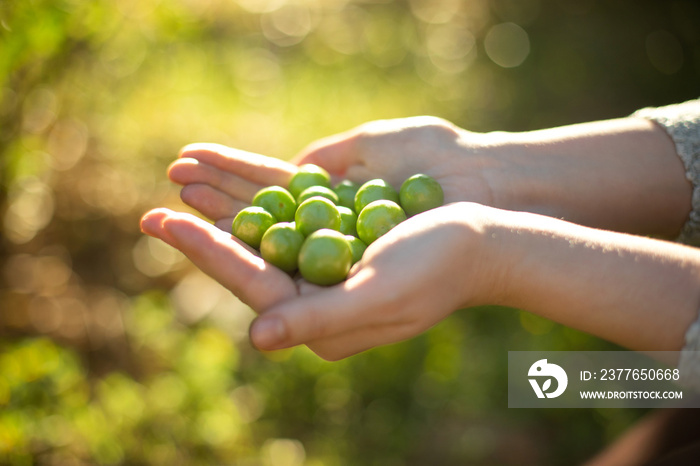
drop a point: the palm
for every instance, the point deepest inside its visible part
(219, 181)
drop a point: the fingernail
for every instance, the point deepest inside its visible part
(268, 332)
(148, 220)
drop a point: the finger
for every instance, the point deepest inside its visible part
(211, 202)
(256, 168)
(224, 224)
(334, 153)
(329, 312)
(189, 171)
(226, 260)
(341, 345)
(152, 225)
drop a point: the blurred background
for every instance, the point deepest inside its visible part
(115, 350)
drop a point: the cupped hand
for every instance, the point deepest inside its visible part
(219, 181)
(380, 302)
(408, 280)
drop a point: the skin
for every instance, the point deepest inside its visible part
(489, 245)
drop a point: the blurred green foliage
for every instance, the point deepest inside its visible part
(113, 350)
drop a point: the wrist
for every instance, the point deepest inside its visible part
(508, 169)
(520, 174)
(483, 261)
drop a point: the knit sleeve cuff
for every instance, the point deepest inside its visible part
(682, 123)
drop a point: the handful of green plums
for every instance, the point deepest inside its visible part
(320, 230)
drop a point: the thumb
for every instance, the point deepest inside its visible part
(327, 312)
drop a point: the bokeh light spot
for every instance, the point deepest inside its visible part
(31, 207)
(342, 31)
(451, 47)
(283, 452)
(434, 11)
(664, 52)
(67, 143)
(261, 6)
(249, 402)
(507, 45)
(153, 257)
(287, 25)
(40, 108)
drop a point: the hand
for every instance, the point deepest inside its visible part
(396, 149)
(408, 280)
(218, 181)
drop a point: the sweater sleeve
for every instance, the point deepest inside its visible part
(682, 123)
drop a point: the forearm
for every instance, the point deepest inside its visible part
(621, 175)
(638, 292)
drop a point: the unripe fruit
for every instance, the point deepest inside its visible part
(321, 191)
(377, 219)
(346, 191)
(316, 213)
(420, 193)
(250, 224)
(308, 175)
(280, 246)
(374, 190)
(278, 201)
(325, 257)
